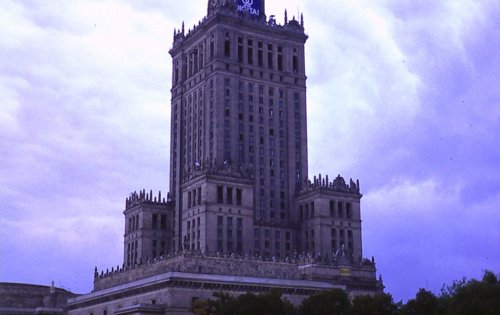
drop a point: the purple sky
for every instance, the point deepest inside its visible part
(404, 97)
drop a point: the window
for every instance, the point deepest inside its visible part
(295, 64)
(280, 58)
(155, 221)
(220, 194)
(270, 56)
(250, 51)
(238, 196)
(240, 49)
(227, 48)
(229, 196)
(348, 210)
(163, 221)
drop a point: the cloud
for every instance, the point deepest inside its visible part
(84, 121)
(404, 93)
(422, 234)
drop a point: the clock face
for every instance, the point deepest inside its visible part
(252, 7)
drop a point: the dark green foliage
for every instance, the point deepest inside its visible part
(476, 297)
(332, 302)
(425, 303)
(262, 304)
(379, 304)
(269, 303)
(462, 297)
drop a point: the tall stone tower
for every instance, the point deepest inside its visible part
(239, 109)
(242, 214)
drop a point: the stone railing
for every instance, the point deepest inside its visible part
(227, 264)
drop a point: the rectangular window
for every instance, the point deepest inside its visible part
(220, 194)
(250, 52)
(238, 196)
(280, 62)
(270, 56)
(295, 64)
(348, 210)
(163, 221)
(155, 221)
(229, 195)
(227, 48)
(240, 53)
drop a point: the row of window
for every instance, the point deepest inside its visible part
(306, 210)
(159, 221)
(225, 195)
(194, 197)
(158, 248)
(133, 223)
(340, 209)
(132, 248)
(245, 51)
(234, 234)
(193, 234)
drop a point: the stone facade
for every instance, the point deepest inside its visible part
(239, 104)
(148, 227)
(169, 285)
(242, 214)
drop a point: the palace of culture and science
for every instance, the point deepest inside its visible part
(243, 214)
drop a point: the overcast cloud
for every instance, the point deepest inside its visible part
(403, 95)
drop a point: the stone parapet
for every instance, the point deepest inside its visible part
(299, 268)
(338, 185)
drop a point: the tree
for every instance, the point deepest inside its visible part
(476, 297)
(270, 303)
(425, 303)
(331, 302)
(200, 307)
(378, 304)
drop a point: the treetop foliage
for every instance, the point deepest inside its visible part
(472, 297)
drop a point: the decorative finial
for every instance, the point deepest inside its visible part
(302, 20)
(286, 17)
(182, 27)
